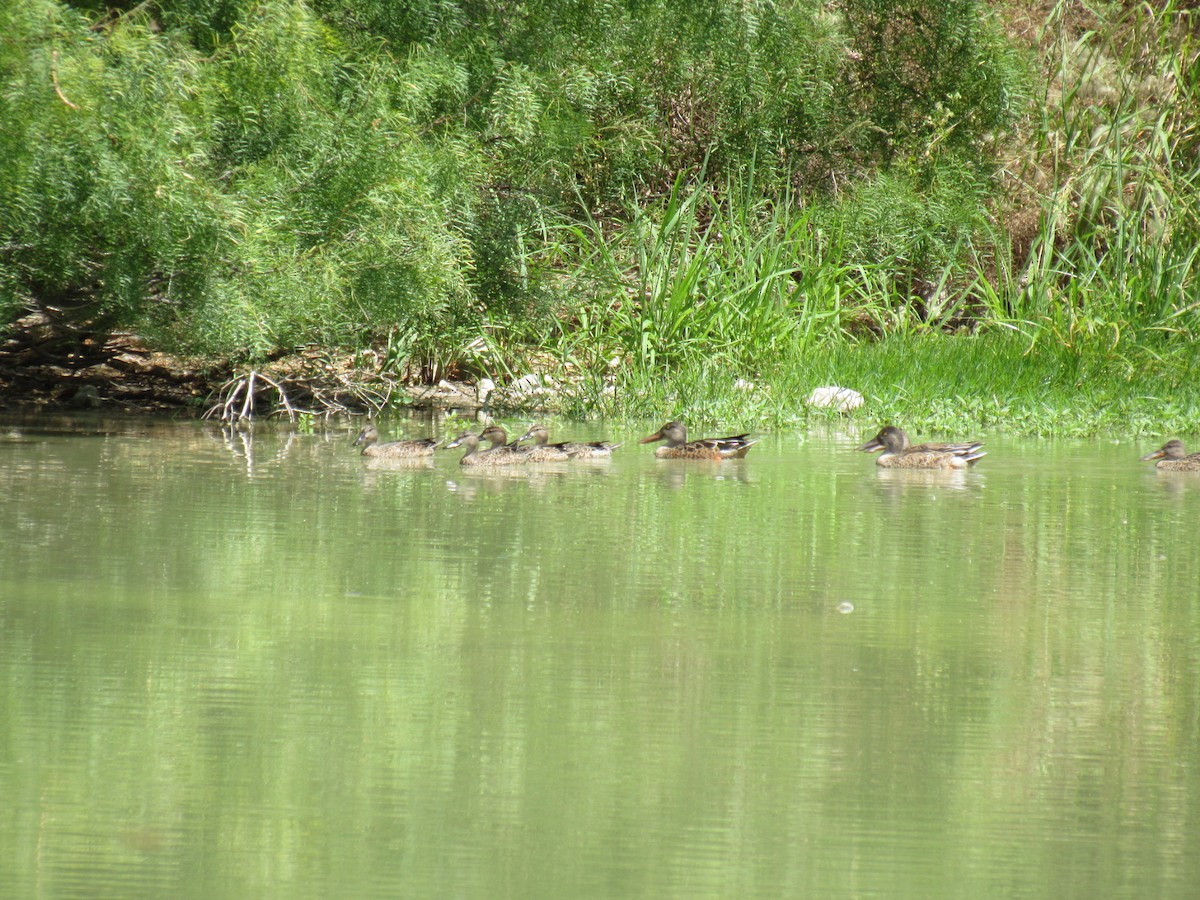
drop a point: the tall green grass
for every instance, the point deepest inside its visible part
(1114, 172)
(911, 288)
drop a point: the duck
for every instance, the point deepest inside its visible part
(1172, 457)
(501, 455)
(369, 439)
(543, 451)
(498, 438)
(679, 447)
(898, 452)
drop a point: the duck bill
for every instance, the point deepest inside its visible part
(526, 436)
(1157, 454)
(657, 436)
(874, 445)
(362, 436)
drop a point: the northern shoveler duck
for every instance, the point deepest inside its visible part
(500, 455)
(1172, 457)
(899, 454)
(543, 451)
(369, 439)
(679, 447)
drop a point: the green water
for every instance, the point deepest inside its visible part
(266, 668)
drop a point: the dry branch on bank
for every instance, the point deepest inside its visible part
(237, 400)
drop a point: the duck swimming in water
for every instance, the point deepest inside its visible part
(898, 453)
(1172, 457)
(543, 451)
(369, 439)
(679, 447)
(501, 454)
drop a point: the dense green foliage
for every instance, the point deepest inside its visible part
(613, 189)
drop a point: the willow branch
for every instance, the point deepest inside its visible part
(54, 78)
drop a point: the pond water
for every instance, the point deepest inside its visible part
(268, 667)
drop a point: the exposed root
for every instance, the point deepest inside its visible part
(236, 399)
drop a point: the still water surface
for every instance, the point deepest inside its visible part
(268, 667)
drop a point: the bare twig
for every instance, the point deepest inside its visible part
(115, 16)
(234, 387)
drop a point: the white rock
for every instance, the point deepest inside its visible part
(832, 396)
(484, 389)
(526, 383)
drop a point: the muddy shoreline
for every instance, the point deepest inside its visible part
(48, 365)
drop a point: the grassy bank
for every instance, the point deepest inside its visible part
(976, 214)
(929, 383)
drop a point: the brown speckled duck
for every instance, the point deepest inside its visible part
(1172, 457)
(899, 454)
(369, 439)
(501, 454)
(679, 447)
(543, 451)
(498, 437)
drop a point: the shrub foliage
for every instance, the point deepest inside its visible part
(242, 177)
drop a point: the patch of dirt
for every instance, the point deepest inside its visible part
(50, 363)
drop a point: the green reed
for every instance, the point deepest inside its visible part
(733, 307)
(1116, 148)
